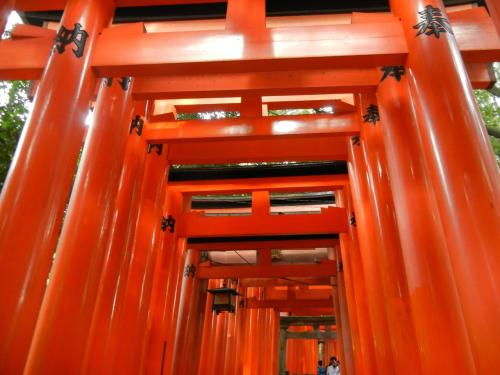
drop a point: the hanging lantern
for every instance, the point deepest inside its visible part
(224, 299)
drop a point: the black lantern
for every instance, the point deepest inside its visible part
(224, 299)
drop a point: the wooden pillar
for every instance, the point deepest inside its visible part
(193, 297)
(461, 167)
(209, 327)
(362, 343)
(36, 190)
(240, 334)
(74, 279)
(368, 247)
(436, 309)
(111, 292)
(494, 9)
(5, 9)
(394, 284)
(146, 245)
(159, 345)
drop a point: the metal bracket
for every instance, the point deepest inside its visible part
(356, 141)
(341, 266)
(125, 83)
(168, 222)
(158, 147)
(190, 270)
(137, 124)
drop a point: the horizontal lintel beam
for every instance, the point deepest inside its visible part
(312, 335)
(358, 46)
(303, 82)
(293, 281)
(306, 148)
(283, 305)
(329, 220)
(253, 128)
(324, 269)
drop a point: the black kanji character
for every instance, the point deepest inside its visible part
(168, 222)
(393, 71)
(190, 270)
(372, 114)
(65, 36)
(433, 22)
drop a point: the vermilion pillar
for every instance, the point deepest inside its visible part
(436, 310)
(147, 242)
(388, 251)
(109, 302)
(362, 346)
(209, 326)
(67, 309)
(368, 246)
(168, 272)
(462, 169)
(193, 297)
(5, 9)
(37, 187)
(494, 8)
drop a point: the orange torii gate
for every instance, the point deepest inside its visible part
(417, 215)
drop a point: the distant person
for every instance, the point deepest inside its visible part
(333, 367)
(321, 369)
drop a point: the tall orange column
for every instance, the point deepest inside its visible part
(193, 297)
(167, 271)
(35, 193)
(494, 9)
(146, 244)
(347, 332)
(436, 310)
(340, 318)
(368, 247)
(5, 9)
(109, 302)
(394, 284)
(209, 326)
(462, 169)
(67, 309)
(362, 343)
(240, 334)
(349, 270)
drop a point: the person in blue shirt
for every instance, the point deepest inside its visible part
(321, 369)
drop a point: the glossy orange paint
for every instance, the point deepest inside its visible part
(252, 128)
(362, 342)
(301, 82)
(75, 276)
(269, 150)
(147, 241)
(466, 189)
(302, 270)
(494, 9)
(102, 341)
(164, 291)
(330, 220)
(5, 9)
(383, 359)
(276, 184)
(208, 332)
(39, 181)
(395, 288)
(436, 310)
(187, 344)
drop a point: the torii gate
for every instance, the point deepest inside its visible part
(420, 262)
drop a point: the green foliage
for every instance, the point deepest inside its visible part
(13, 114)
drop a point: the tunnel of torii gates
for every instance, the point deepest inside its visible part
(379, 246)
